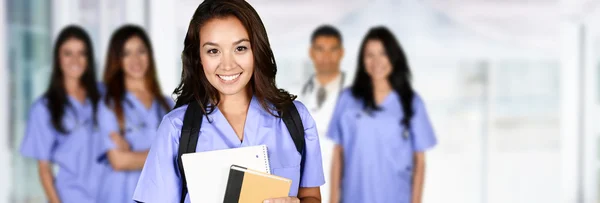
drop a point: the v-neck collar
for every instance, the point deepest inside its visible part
(77, 104)
(137, 104)
(392, 96)
(250, 126)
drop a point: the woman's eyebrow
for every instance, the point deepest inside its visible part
(240, 41)
(210, 44)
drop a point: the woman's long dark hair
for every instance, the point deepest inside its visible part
(399, 79)
(194, 85)
(114, 75)
(56, 94)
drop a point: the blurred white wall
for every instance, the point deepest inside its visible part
(591, 101)
(167, 41)
(570, 113)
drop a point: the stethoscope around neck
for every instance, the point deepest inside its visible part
(75, 119)
(406, 134)
(309, 86)
(142, 123)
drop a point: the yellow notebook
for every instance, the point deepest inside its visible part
(249, 186)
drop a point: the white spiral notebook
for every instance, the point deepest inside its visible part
(207, 172)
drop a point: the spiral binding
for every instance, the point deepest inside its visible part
(266, 156)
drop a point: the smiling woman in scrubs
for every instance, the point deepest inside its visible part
(61, 124)
(381, 128)
(130, 113)
(229, 69)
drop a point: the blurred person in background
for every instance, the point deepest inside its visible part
(228, 77)
(321, 91)
(61, 128)
(381, 128)
(130, 113)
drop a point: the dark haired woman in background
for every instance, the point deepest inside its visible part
(130, 112)
(61, 125)
(229, 72)
(381, 129)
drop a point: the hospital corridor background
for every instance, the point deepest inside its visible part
(512, 88)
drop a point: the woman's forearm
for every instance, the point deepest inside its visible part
(47, 179)
(309, 195)
(418, 177)
(122, 160)
(336, 174)
(310, 200)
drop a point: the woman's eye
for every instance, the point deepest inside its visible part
(213, 51)
(241, 49)
(67, 53)
(142, 51)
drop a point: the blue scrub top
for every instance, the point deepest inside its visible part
(73, 152)
(378, 159)
(160, 180)
(140, 131)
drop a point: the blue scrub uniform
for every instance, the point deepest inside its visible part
(140, 130)
(160, 181)
(378, 159)
(73, 152)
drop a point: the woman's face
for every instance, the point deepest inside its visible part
(135, 58)
(377, 63)
(73, 58)
(226, 55)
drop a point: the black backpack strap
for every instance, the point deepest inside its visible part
(192, 121)
(293, 122)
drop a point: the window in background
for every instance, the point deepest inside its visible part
(524, 130)
(455, 92)
(29, 48)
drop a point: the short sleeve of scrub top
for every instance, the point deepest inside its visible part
(335, 126)
(313, 165)
(423, 133)
(38, 143)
